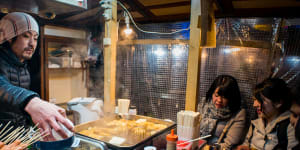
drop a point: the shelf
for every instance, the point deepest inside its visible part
(66, 68)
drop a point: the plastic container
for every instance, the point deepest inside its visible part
(171, 140)
(186, 146)
(132, 110)
(150, 148)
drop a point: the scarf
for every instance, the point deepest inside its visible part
(211, 116)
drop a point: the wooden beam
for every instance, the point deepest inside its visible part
(264, 4)
(261, 12)
(44, 65)
(194, 61)
(138, 6)
(110, 54)
(225, 6)
(165, 18)
(168, 5)
(88, 13)
(253, 44)
(152, 41)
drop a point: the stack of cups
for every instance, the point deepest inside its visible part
(123, 106)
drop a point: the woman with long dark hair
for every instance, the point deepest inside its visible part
(222, 116)
(272, 129)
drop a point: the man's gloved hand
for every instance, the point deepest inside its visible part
(48, 115)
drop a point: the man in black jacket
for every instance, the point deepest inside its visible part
(18, 38)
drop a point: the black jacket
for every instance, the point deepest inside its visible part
(14, 89)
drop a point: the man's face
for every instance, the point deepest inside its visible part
(25, 45)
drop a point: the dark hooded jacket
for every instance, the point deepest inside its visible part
(14, 89)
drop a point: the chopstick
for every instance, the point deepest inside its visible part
(200, 138)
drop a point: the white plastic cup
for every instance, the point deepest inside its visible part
(123, 106)
(150, 148)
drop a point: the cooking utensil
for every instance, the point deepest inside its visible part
(200, 138)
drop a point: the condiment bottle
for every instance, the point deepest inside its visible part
(132, 110)
(171, 140)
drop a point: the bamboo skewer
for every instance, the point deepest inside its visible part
(6, 132)
(17, 135)
(24, 137)
(4, 127)
(11, 135)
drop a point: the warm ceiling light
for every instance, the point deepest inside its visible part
(128, 30)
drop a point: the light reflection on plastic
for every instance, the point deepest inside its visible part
(159, 52)
(204, 55)
(178, 50)
(295, 60)
(231, 50)
(250, 59)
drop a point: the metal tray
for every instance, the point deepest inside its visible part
(135, 144)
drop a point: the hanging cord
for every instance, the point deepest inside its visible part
(276, 29)
(293, 77)
(151, 32)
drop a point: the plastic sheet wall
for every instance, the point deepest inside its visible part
(154, 76)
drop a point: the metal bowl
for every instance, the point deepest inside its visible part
(55, 145)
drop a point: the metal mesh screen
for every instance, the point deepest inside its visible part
(287, 58)
(249, 65)
(154, 76)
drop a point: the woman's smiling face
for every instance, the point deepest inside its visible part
(265, 109)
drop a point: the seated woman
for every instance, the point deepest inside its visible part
(295, 113)
(222, 116)
(272, 130)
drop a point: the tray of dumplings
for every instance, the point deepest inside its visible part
(124, 132)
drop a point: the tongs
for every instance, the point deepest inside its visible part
(199, 138)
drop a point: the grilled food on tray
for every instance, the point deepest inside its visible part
(128, 129)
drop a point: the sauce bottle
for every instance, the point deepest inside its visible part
(171, 140)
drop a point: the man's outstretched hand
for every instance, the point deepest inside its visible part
(47, 116)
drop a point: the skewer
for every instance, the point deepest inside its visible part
(32, 137)
(41, 137)
(20, 136)
(4, 128)
(26, 137)
(6, 132)
(11, 135)
(23, 135)
(36, 138)
(17, 135)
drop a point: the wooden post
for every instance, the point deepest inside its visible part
(110, 51)
(194, 62)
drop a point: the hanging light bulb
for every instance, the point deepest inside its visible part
(128, 30)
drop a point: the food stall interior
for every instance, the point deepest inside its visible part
(253, 40)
